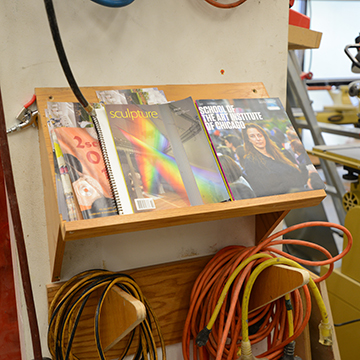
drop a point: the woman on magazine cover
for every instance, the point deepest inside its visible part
(267, 169)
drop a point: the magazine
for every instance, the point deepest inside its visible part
(85, 175)
(87, 171)
(257, 147)
(159, 156)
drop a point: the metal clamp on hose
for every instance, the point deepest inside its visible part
(26, 117)
(29, 119)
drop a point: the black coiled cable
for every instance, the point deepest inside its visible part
(69, 302)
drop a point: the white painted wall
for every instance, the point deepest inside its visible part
(330, 60)
(147, 42)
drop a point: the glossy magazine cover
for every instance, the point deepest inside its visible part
(165, 158)
(79, 158)
(257, 147)
(87, 171)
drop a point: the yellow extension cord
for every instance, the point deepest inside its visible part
(325, 327)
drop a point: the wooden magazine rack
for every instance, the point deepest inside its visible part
(167, 286)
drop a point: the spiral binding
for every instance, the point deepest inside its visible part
(110, 175)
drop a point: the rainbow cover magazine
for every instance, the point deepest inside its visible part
(257, 147)
(160, 156)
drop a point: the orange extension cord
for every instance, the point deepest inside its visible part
(225, 6)
(268, 322)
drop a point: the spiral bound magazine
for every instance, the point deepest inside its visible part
(83, 184)
(257, 147)
(79, 163)
(159, 156)
(87, 171)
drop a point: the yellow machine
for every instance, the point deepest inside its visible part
(346, 105)
(343, 111)
(344, 283)
(345, 108)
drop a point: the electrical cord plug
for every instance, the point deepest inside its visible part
(246, 353)
(289, 351)
(325, 334)
(203, 337)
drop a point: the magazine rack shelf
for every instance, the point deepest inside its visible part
(165, 285)
(268, 211)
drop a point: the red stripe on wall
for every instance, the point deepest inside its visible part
(9, 329)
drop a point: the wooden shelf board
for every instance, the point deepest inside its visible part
(172, 92)
(300, 38)
(74, 230)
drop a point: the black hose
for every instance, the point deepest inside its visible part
(62, 56)
(113, 3)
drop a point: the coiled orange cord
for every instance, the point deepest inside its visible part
(225, 6)
(268, 322)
